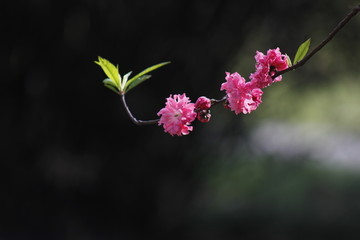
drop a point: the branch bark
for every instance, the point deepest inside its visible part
(338, 27)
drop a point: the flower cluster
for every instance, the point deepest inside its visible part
(179, 113)
(241, 96)
(245, 97)
(202, 107)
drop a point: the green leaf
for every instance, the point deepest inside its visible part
(108, 81)
(137, 81)
(302, 51)
(111, 87)
(110, 70)
(147, 70)
(124, 80)
(288, 60)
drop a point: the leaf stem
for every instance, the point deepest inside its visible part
(338, 27)
(133, 119)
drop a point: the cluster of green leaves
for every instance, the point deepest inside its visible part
(122, 85)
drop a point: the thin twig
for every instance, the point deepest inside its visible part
(133, 119)
(217, 101)
(338, 27)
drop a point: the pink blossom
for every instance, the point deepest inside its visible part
(267, 66)
(177, 115)
(203, 103)
(242, 97)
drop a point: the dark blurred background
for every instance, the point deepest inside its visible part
(73, 166)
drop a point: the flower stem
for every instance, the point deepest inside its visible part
(133, 119)
(338, 27)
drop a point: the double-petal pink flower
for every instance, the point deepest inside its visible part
(177, 115)
(267, 66)
(242, 96)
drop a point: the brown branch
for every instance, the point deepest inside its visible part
(338, 27)
(133, 119)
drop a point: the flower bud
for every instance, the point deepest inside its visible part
(204, 116)
(202, 103)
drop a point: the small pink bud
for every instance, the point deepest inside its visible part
(202, 103)
(204, 116)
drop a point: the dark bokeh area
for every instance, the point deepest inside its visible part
(73, 165)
